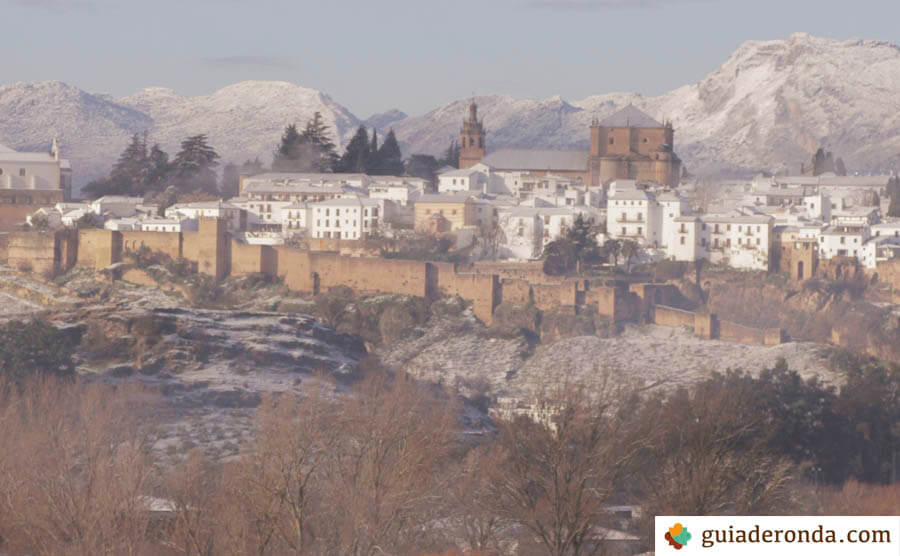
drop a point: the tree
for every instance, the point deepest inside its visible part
(423, 166)
(612, 248)
(356, 155)
(194, 165)
(230, 180)
(159, 169)
(390, 160)
(36, 348)
(630, 249)
(127, 175)
(555, 480)
(316, 133)
(374, 164)
(839, 167)
(451, 155)
(291, 154)
(78, 479)
(571, 251)
(706, 453)
(893, 191)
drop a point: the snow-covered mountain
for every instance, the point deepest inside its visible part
(771, 103)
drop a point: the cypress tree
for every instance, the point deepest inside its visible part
(389, 156)
(316, 134)
(356, 155)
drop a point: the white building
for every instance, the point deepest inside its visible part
(348, 218)
(295, 219)
(209, 209)
(116, 206)
(36, 170)
(463, 180)
(173, 224)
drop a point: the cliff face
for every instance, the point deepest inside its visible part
(818, 311)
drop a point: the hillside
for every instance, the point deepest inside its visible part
(771, 103)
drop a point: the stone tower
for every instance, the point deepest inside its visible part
(471, 139)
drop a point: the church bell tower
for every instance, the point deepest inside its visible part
(471, 139)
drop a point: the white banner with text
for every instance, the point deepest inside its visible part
(778, 535)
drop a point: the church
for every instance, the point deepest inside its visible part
(627, 145)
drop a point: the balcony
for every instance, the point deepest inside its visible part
(624, 219)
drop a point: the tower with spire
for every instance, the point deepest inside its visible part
(471, 139)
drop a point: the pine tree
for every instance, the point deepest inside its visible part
(390, 160)
(290, 155)
(818, 162)
(423, 166)
(316, 133)
(127, 175)
(194, 165)
(159, 169)
(356, 155)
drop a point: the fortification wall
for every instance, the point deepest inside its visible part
(552, 296)
(208, 247)
(32, 251)
(294, 267)
(670, 316)
(4, 246)
(168, 243)
(604, 298)
(369, 274)
(532, 272)
(734, 332)
(483, 290)
(99, 248)
(253, 259)
(516, 291)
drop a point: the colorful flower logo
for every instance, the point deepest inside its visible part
(678, 536)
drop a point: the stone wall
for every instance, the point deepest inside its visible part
(253, 259)
(208, 247)
(32, 251)
(99, 248)
(162, 242)
(670, 316)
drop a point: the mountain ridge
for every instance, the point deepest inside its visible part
(768, 106)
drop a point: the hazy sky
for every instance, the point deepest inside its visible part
(414, 55)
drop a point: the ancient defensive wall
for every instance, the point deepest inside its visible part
(215, 253)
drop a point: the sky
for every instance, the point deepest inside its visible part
(415, 55)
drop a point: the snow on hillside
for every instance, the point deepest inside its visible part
(244, 120)
(772, 103)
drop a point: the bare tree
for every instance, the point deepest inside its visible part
(395, 437)
(554, 481)
(75, 469)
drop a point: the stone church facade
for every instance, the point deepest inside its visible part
(627, 145)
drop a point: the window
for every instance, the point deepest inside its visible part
(337, 212)
(682, 240)
(728, 242)
(728, 228)
(612, 141)
(640, 231)
(644, 140)
(453, 212)
(21, 171)
(757, 241)
(842, 240)
(547, 220)
(1, 171)
(624, 231)
(427, 211)
(703, 241)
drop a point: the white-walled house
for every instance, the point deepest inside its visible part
(295, 219)
(632, 214)
(739, 240)
(116, 206)
(174, 224)
(349, 218)
(209, 209)
(462, 181)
